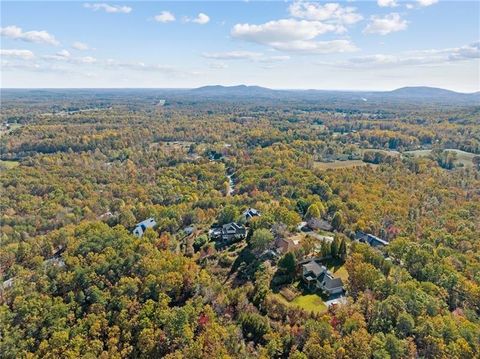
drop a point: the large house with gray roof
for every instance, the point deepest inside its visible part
(318, 277)
(370, 239)
(228, 233)
(141, 227)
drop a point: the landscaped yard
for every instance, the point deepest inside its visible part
(310, 302)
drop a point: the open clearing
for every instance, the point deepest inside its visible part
(308, 302)
(341, 164)
(8, 164)
(463, 157)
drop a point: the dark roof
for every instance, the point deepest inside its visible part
(370, 239)
(233, 225)
(251, 212)
(313, 267)
(331, 282)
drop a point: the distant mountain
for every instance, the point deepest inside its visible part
(237, 91)
(420, 94)
(425, 92)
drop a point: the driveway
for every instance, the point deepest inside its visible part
(338, 299)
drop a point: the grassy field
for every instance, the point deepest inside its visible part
(308, 302)
(389, 152)
(341, 164)
(463, 157)
(8, 164)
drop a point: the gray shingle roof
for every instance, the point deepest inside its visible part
(313, 267)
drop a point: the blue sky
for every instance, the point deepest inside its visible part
(360, 45)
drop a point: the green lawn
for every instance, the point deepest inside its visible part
(310, 303)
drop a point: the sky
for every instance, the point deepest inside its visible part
(344, 45)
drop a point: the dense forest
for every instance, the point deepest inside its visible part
(80, 169)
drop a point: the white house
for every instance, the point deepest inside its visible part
(141, 227)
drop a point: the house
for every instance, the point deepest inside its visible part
(318, 277)
(284, 245)
(370, 239)
(319, 223)
(250, 213)
(141, 227)
(188, 230)
(228, 233)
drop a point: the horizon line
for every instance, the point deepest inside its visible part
(228, 86)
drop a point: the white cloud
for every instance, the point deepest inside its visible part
(218, 65)
(426, 2)
(281, 31)
(421, 3)
(112, 9)
(279, 58)
(292, 35)
(385, 25)
(39, 37)
(416, 58)
(164, 17)
(317, 47)
(63, 53)
(86, 60)
(66, 56)
(80, 46)
(232, 55)
(245, 55)
(201, 19)
(20, 54)
(387, 3)
(167, 70)
(330, 12)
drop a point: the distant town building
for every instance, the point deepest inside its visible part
(141, 227)
(318, 277)
(370, 239)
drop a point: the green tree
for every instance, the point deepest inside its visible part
(313, 212)
(342, 249)
(288, 263)
(127, 219)
(337, 221)
(335, 247)
(228, 214)
(261, 239)
(405, 325)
